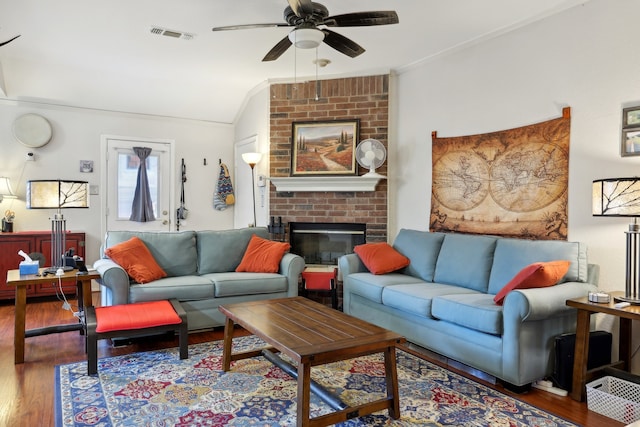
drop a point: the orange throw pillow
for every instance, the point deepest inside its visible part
(381, 258)
(536, 275)
(136, 259)
(263, 256)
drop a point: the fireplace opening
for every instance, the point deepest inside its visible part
(322, 243)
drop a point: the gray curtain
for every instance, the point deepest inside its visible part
(142, 207)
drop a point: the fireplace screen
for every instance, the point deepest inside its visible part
(323, 243)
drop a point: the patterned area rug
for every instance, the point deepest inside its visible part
(158, 389)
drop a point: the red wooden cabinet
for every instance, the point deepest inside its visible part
(34, 241)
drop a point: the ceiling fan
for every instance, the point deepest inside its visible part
(9, 41)
(305, 16)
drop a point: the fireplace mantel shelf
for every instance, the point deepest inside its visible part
(326, 183)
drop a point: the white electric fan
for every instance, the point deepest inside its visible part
(371, 154)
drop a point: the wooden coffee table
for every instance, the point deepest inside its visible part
(312, 334)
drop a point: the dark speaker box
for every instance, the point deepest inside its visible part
(599, 355)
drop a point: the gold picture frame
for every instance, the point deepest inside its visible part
(324, 147)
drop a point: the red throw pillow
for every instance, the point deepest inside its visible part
(263, 256)
(536, 275)
(134, 256)
(381, 258)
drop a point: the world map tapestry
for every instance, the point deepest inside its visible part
(511, 183)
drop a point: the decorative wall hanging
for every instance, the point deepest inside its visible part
(509, 183)
(630, 131)
(324, 148)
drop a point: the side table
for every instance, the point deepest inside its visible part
(83, 286)
(585, 309)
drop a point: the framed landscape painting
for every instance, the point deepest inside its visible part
(324, 148)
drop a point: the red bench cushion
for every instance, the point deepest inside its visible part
(135, 316)
(318, 280)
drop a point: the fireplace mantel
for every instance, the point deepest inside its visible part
(326, 183)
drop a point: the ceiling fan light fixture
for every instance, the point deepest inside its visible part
(306, 38)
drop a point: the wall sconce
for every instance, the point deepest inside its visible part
(621, 197)
(57, 194)
(252, 159)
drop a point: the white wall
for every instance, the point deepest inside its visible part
(583, 58)
(253, 120)
(76, 136)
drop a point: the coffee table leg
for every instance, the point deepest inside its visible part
(304, 394)
(392, 382)
(18, 337)
(226, 349)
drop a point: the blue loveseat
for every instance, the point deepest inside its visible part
(200, 267)
(443, 300)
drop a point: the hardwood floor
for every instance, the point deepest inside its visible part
(27, 389)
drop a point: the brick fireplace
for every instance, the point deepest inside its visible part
(364, 98)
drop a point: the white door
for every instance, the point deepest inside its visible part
(120, 166)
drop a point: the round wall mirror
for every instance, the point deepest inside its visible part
(32, 130)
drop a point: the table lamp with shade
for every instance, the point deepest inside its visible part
(621, 197)
(57, 194)
(6, 192)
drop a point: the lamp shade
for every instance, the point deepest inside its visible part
(251, 158)
(306, 38)
(616, 197)
(5, 189)
(57, 194)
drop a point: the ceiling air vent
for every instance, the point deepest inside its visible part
(171, 33)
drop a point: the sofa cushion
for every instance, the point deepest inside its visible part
(422, 248)
(473, 311)
(183, 288)
(136, 259)
(512, 255)
(262, 255)
(174, 252)
(536, 275)
(235, 284)
(380, 258)
(222, 250)
(465, 260)
(417, 298)
(370, 286)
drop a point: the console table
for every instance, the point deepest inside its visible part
(33, 241)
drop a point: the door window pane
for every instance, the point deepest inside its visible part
(127, 177)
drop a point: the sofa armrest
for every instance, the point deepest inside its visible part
(349, 264)
(543, 303)
(115, 278)
(291, 266)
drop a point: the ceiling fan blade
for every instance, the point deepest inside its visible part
(248, 26)
(342, 44)
(9, 41)
(362, 19)
(278, 50)
(301, 8)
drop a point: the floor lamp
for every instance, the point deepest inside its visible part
(251, 159)
(621, 197)
(57, 194)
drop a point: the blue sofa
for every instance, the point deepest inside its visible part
(443, 300)
(200, 267)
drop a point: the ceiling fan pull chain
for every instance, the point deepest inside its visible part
(317, 81)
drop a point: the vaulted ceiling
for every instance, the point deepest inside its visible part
(104, 55)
